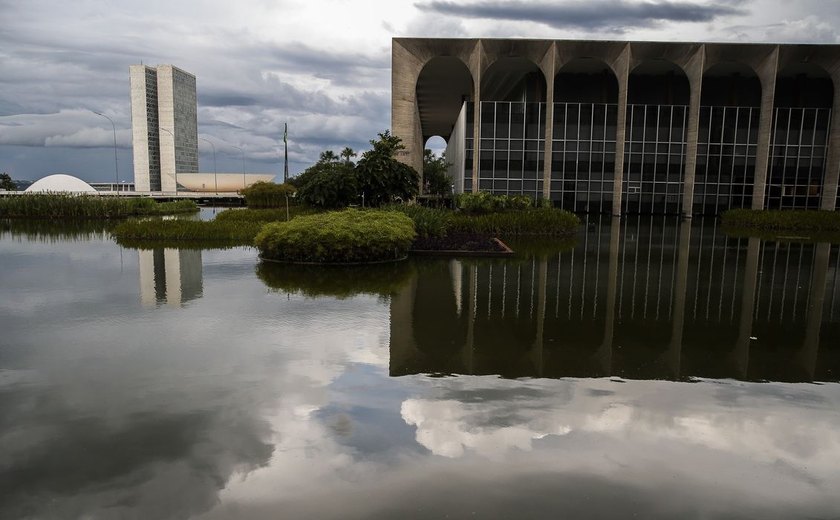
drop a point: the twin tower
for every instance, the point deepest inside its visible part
(164, 126)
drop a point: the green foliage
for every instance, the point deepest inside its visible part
(55, 205)
(267, 194)
(782, 220)
(333, 185)
(338, 281)
(156, 231)
(483, 202)
(437, 223)
(263, 215)
(349, 236)
(381, 177)
(435, 179)
(6, 182)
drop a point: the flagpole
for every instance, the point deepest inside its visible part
(286, 153)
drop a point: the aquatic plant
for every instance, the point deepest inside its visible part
(58, 205)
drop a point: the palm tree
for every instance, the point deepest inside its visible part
(328, 156)
(347, 154)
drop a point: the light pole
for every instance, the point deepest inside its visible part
(243, 164)
(116, 167)
(215, 171)
(176, 166)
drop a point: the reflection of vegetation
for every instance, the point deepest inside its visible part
(347, 236)
(56, 205)
(782, 220)
(541, 247)
(133, 233)
(336, 281)
(51, 229)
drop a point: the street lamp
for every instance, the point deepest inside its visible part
(243, 164)
(116, 167)
(215, 172)
(176, 166)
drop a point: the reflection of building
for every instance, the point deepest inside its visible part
(164, 125)
(171, 276)
(643, 299)
(626, 127)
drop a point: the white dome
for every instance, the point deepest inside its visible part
(60, 183)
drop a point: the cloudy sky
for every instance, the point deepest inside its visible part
(322, 66)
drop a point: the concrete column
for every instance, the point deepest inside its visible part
(767, 76)
(477, 115)
(694, 71)
(622, 72)
(549, 69)
(832, 168)
(405, 121)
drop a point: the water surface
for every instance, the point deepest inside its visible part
(651, 368)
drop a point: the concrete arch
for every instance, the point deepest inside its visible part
(804, 85)
(513, 78)
(588, 80)
(646, 88)
(443, 85)
(731, 83)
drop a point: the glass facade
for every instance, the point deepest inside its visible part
(798, 151)
(583, 156)
(726, 149)
(654, 159)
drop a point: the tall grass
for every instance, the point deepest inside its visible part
(782, 220)
(264, 215)
(438, 223)
(135, 232)
(64, 206)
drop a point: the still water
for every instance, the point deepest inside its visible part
(648, 369)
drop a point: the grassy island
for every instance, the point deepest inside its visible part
(348, 236)
(67, 206)
(814, 223)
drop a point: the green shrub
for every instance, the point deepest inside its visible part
(428, 222)
(484, 202)
(782, 220)
(537, 221)
(57, 205)
(338, 281)
(349, 236)
(267, 194)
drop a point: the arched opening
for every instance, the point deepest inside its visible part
(799, 138)
(444, 94)
(655, 141)
(583, 137)
(512, 116)
(727, 139)
(438, 170)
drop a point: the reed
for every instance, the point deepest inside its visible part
(66, 206)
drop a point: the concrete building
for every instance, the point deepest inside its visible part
(164, 125)
(626, 127)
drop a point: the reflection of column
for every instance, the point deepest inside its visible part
(767, 75)
(537, 349)
(604, 352)
(675, 346)
(694, 70)
(742, 347)
(146, 263)
(403, 349)
(456, 271)
(471, 310)
(810, 350)
(622, 72)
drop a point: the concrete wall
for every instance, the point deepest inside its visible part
(410, 56)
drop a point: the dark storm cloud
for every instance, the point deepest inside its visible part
(616, 15)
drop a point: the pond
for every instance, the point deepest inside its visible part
(648, 368)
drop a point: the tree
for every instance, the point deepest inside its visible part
(382, 178)
(6, 182)
(328, 156)
(329, 185)
(435, 178)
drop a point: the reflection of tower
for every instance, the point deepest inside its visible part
(171, 276)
